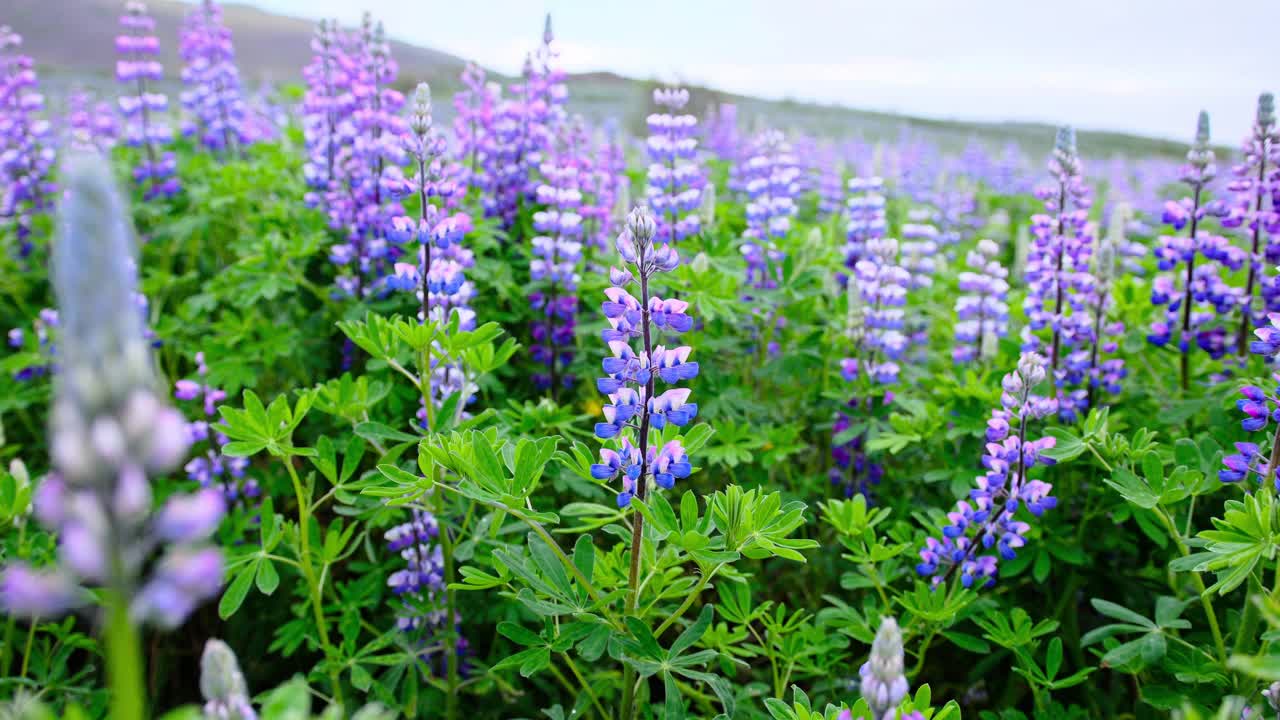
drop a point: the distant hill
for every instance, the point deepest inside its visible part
(73, 40)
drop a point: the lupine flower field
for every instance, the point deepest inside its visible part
(352, 399)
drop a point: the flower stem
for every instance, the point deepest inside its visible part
(309, 574)
(124, 661)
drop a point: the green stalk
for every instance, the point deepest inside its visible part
(1205, 602)
(124, 662)
(309, 574)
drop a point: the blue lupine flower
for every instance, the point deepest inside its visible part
(636, 412)
(987, 518)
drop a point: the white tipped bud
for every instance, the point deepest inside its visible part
(884, 682)
(222, 685)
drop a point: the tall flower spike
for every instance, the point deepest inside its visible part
(674, 179)
(884, 680)
(109, 430)
(865, 214)
(419, 587)
(225, 692)
(772, 183)
(636, 412)
(989, 517)
(26, 143)
(439, 277)
(1256, 187)
(557, 253)
(1203, 294)
(144, 110)
(982, 311)
(220, 117)
(1057, 269)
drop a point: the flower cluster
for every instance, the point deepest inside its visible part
(108, 432)
(1086, 366)
(144, 110)
(853, 471)
(636, 412)
(90, 126)
(557, 253)
(1057, 268)
(1190, 310)
(475, 107)
(883, 676)
(877, 295)
(524, 129)
(982, 311)
(606, 184)
(675, 181)
(920, 246)
(772, 184)
(328, 100)
(212, 469)
(419, 588)
(865, 217)
(220, 118)
(988, 518)
(1256, 185)
(831, 185)
(1260, 409)
(722, 133)
(26, 143)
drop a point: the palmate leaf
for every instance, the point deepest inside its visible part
(1243, 537)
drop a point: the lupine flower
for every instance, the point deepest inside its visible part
(1260, 409)
(1256, 184)
(865, 214)
(419, 588)
(884, 680)
(1088, 366)
(880, 285)
(212, 469)
(220, 118)
(607, 182)
(675, 181)
(26, 143)
(525, 127)
(39, 342)
(372, 151)
(1204, 294)
(982, 312)
(636, 410)
(144, 110)
(1058, 276)
(89, 126)
(831, 185)
(225, 692)
(557, 253)
(439, 277)
(772, 184)
(108, 432)
(327, 101)
(989, 517)
(722, 136)
(475, 107)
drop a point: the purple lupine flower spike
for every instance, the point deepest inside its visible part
(557, 253)
(476, 107)
(636, 410)
(1256, 185)
(108, 432)
(982, 311)
(327, 102)
(675, 181)
(219, 116)
(988, 518)
(1260, 408)
(144, 109)
(419, 588)
(1057, 272)
(772, 185)
(26, 143)
(865, 217)
(1194, 261)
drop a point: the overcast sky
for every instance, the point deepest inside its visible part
(1144, 66)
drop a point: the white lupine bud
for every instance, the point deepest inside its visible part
(222, 685)
(884, 683)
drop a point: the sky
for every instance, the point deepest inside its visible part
(1142, 66)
